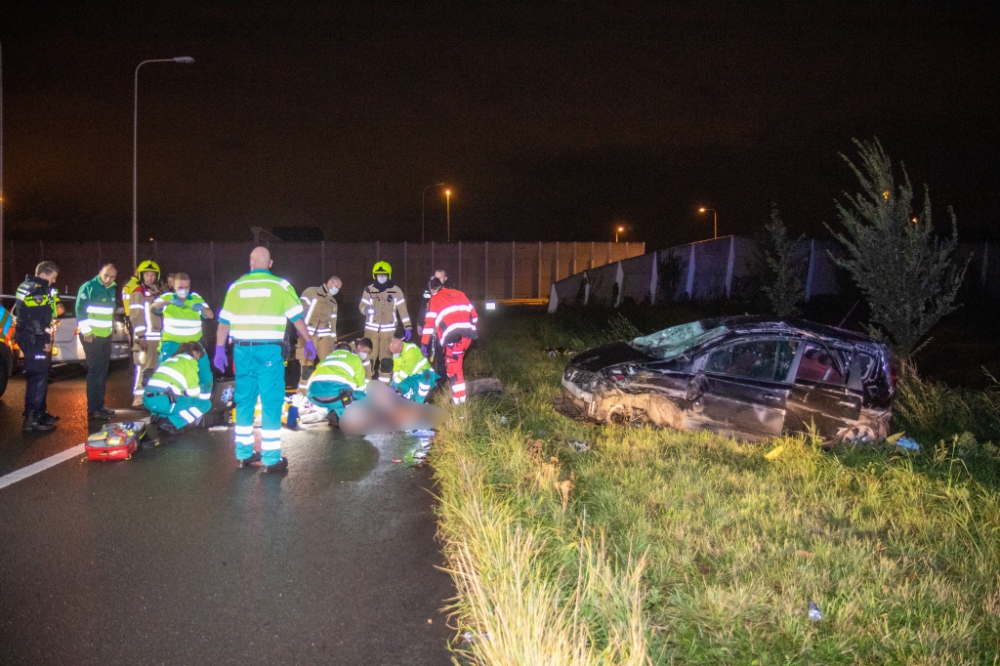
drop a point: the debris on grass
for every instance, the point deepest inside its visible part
(774, 453)
(815, 615)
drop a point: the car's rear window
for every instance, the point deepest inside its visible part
(758, 359)
(817, 365)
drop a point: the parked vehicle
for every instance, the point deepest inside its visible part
(66, 345)
(747, 377)
(6, 347)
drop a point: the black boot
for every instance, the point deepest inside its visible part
(45, 417)
(33, 423)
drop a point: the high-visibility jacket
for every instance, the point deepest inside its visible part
(34, 310)
(132, 283)
(410, 362)
(380, 304)
(450, 316)
(95, 308)
(321, 312)
(146, 323)
(257, 306)
(178, 375)
(181, 319)
(344, 367)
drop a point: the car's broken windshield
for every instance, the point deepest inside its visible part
(674, 341)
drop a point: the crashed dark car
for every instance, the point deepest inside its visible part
(745, 377)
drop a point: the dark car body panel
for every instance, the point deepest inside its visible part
(747, 377)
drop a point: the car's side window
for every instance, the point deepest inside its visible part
(759, 359)
(818, 366)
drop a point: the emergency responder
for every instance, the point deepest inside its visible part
(340, 378)
(254, 311)
(381, 302)
(174, 392)
(145, 326)
(436, 356)
(95, 317)
(34, 312)
(133, 282)
(321, 319)
(412, 374)
(182, 311)
(453, 319)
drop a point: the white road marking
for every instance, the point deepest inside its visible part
(40, 466)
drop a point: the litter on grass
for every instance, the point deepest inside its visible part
(815, 615)
(908, 445)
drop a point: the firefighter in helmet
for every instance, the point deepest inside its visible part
(146, 327)
(384, 307)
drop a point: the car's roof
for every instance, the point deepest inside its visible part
(771, 324)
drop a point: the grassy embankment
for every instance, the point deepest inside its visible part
(672, 547)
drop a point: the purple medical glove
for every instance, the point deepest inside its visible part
(310, 350)
(423, 349)
(219, 360)
(408, 334)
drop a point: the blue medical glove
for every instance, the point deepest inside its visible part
(219, 360)
(310, 350)
(408, 334)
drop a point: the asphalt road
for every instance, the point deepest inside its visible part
(178, 557)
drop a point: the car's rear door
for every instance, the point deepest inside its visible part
(744, 387)
(821, 397)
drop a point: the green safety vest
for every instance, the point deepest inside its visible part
(178, 375)
(95, 308)
(181, 319)
(341, 366)
(410, 362)
(257, 306)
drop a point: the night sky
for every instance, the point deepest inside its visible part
(551, 120)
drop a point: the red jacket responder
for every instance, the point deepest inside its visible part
(451, 316)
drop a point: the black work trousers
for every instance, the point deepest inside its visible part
(98, 359)
(36, 376)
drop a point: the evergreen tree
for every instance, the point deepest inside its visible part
(908, 275)
(785, 263)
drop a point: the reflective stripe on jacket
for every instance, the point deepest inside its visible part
(450, 315)
(146, 323)
(410, 362)
(344, 367)
(181, 319)
(320, 312)
(387, 303)
(95, 308)
(177, 374)
(257, 306)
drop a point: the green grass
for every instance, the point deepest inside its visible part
(666, 547)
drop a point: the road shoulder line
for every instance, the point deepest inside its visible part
(40, 466)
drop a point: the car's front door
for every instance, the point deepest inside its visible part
(742, 388)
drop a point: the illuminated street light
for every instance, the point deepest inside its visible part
(184, 60)
(715, 220)
(447, 196)
(423, 206)
(619, 230)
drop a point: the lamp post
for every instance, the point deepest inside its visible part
(618, 230)
(423, 209)
(715, 220)
(447, 208)
(184, 60)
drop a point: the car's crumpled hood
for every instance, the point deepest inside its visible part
(674, 341)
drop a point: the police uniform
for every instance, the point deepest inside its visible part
(255, 309)
(34, 311)
(181, 322)
(320, 308)
(381, 304)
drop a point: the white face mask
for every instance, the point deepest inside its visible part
(334, 290)
(397, 355)
(382, 279)
(363, 356)
(182, 293)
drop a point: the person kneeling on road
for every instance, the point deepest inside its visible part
(173, 392)
(341, 378)
(412, 375)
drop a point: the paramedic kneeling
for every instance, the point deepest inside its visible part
(173, 392)
(340, 378)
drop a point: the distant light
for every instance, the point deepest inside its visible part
(914, 220)
(448, 192)
(702, 209)
(150, 239)
(621, 228)
(490, 305)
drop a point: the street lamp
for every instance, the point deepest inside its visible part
(423, 208)
(184, 60)
(447, 208)
(618, 230)
(715, 220)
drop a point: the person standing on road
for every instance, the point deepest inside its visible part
(182, 311)
(381, 303)
(254, 313)
(145, 326)
(436, 356)
(95, 317)
(34, 311)
(174, 392)
(453, 319)
(321, 319)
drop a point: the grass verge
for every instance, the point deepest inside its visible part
(667, 547)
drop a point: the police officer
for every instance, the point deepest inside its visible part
(381, 303)
(254, 312)
(34, 311)
(321, 319)
(95, 317)
(146, 326)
